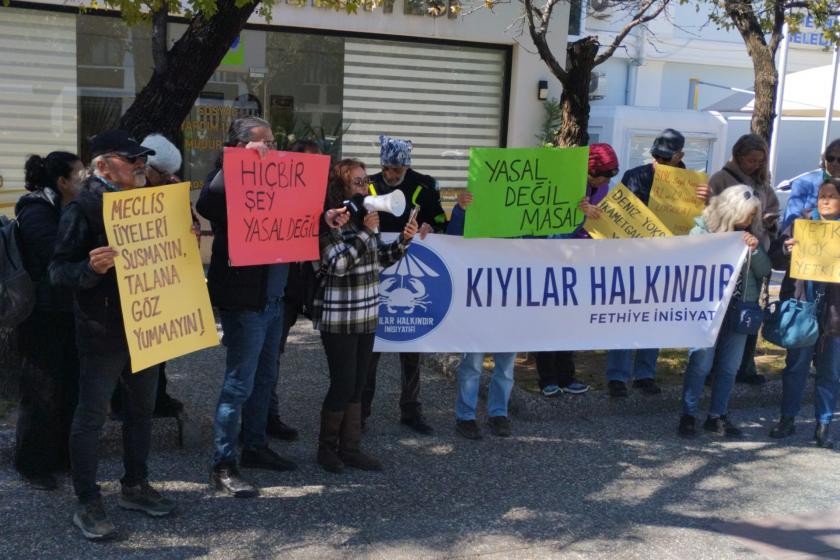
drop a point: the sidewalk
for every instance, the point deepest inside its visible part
(595, 486)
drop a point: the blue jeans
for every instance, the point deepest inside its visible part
(501, 383)
(621, 365)
(253, 340)
(794, 379)
(828, 378)
(729, 349)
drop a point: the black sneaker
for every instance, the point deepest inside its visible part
(146, 499)
(647, 386)
(499, 425)
(418, 424)
(91, 520)
(225, 477)
(617, 388)
(276, 428)
(722, 427)
(822, 435)
(265, 458)
(785, 428)
(754, 379)
(687, 429)
(468, 429)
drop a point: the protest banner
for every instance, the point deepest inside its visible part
(163, 294)
(525, 191)
(274, 205)
(624, 216)
(673, 198)
(450, 294)
(816, 255)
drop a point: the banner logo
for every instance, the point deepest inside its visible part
(414, 295)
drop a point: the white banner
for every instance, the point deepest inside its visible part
(450, 294)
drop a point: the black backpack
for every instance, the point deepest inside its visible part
(17, 291)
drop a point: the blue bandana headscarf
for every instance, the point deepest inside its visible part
(394, 151)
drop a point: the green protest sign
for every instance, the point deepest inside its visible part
(525, 191)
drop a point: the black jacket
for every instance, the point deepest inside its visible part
(99, 324)
(38, 214)
(240, 288)
(418, 189)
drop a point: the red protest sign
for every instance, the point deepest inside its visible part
(274, 205)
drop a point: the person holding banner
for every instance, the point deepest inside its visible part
(667, 150)
(419, 190)
(737, 208)
(84, 263)
(556, 369)
(346, 311)
(748, 166)
(46, 340)
(827, 348)
(250, 303)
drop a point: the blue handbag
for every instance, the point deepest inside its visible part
(748, 314)
(793, 323)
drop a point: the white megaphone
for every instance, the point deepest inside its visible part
(393, 203)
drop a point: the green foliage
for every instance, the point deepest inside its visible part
(823, 13)
(551, 122)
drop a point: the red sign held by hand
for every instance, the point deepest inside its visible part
(274, 205)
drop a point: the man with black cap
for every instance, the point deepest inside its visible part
(84, 262)
(396, 174)
(667, 150)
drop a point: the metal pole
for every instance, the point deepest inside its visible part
(780, 95)
(829, 110)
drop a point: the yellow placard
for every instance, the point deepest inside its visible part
(673, 198)
(816, 255)
(165, 304)
(623, 216)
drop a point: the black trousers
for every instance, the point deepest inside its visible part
(49, 390)
(555, 368)
(348, 357)
(99, 375)
(410, 394)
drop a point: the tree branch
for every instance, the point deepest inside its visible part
(538, 34)
(639, 18)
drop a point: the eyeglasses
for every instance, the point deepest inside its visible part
(129, 159)
(360, 182)
(272, 144)
(749, 194)
(831, 159)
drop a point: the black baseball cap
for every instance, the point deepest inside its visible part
(667, 144)
(117, 142)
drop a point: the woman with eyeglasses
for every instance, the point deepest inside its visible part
(737, 208)
(827, 348)
(346, 311)
(47, 342)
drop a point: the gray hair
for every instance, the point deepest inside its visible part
(731, 206)
(240, 130)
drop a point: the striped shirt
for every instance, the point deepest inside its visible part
(347, 302)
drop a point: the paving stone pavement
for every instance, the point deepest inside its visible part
(599, 485)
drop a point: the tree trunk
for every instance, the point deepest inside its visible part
(766, 81)
(574, 101)
(169, 96)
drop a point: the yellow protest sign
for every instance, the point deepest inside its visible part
(165, 304)
(816, 255)
(673, 198)
(623, 215)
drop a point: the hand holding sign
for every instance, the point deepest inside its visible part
(525, 191)
(274, 205)
(675, 198)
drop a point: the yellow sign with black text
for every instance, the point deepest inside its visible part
(673, 197)
(816, 255)
(624, 216)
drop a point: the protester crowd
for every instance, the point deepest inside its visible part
(77, 366)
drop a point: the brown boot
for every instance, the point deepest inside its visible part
(349, 448)
(328, 441)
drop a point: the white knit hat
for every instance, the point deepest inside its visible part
(167, 158)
